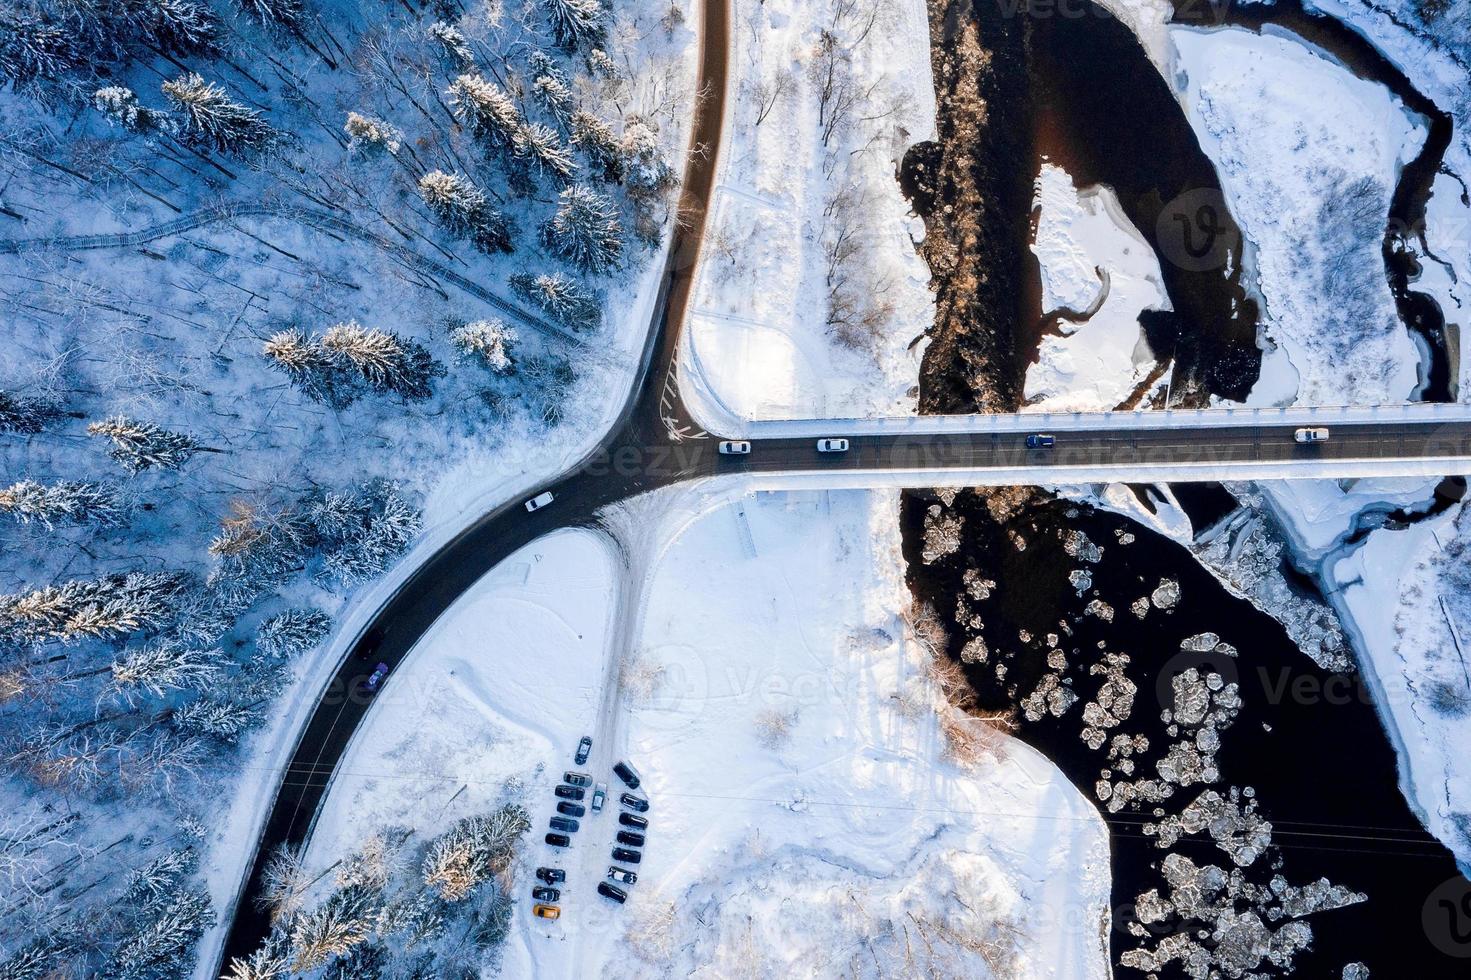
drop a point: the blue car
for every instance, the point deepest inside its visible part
(1040, 441)
(375, 678)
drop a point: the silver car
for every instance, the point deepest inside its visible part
(1311, 435)
(832, 445)
(539, 501)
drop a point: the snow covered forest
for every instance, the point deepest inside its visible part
(269, 269)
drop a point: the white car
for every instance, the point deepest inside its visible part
(832, 445)
(734, 447)
(1311, 435)
(599, 794)
(539, 501)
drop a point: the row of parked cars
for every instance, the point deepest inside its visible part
(572, 805)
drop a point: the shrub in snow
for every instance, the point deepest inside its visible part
(454, 43)
(209, 116)
(368, 133)
(465, 211)
(487, 342)
(65, 501)
(575, 23)
(486, 111)
(26, 415)
(539, 146)
(142, 446)
(561, 296)
(598, 144)
(293, 632)
(585, 230)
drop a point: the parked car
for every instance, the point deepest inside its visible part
(599, 794)
(571, 809)
(584, 749)
(558, 840)
(551, 875)
(630, 838)
(539, 501)
(735, 447)
(373, 680)
(832, 445)
(569, 792)
(565, 824)
(627, 773)
(626, 856)
(545, 911)
(633, 820)
(546, 894)
(576, 778)
(612, 891)
(616, 873)
(1318, 434)
(1040, 440)
(635, 802)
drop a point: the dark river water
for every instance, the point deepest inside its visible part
(1306, 748)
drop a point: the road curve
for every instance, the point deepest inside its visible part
(586, 489)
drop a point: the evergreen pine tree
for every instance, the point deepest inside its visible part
(162, 666)
(645, 169)
(596, 140)
(36, 47)
(540, 146)
(293, 632)
(120, 106)
(488, 342)
(486, 111)
(211, 117)
(68, 501)
(575, 23)
(368, 133)
(274, 13)
(454, 43)
(585, 230)
(141, 446)
(178, 26)
(465, 211)
(561, 296)
(26, 415)
(549, 86)
(220, 718)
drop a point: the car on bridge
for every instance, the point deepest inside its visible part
(539, 501)
(1041, 440)
(832, 445)
(1316, 434)
(734, 447)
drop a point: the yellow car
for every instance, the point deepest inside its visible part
(546, 911)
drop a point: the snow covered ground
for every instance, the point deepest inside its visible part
(810, 291)
(1310, 190)
(1098, 269)
(807, 813)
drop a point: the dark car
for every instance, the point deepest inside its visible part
(1040, 441)
(616, 873)
(545, 894)
(584, 749)
(571, 809)
(558, 840)
(635, 802)
(633, 820)
(565, 824)
(576, 778)
(570, 792)
(627, 773)
(551, 875)
(626, 856)
(630, 838)
(612, 891)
